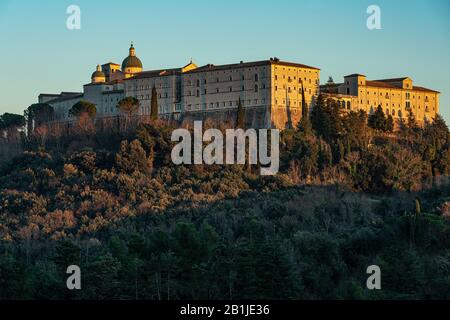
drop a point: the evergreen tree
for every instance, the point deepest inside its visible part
(377, 120)
(83, 107)
(128, 105)
(411, 122)
(11, 123)
(132, 157)
(389, 126)
(154, 104)
(240, 121)
(326, 119)
(39, 113)
(305, 111)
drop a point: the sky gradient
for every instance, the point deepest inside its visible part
(40, 55)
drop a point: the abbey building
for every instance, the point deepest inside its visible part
(271, 92)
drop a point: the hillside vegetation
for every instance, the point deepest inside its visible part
(347, 196)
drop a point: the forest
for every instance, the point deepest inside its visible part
(353, 191)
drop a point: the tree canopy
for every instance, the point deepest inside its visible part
(83, 108)
(128, 105)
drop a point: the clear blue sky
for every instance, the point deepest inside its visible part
(39, 54)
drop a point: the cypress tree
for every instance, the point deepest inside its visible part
(377, 120)
(240, 122)
(154, 105)
(304, 105)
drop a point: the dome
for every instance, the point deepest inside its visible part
(98, 76)
(131, 61)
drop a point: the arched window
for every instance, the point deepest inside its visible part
(400, 113)
(256, 88)
(348, 105)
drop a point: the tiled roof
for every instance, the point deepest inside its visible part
(354, 75)
(386, 84)
(392, 80)
(110, 83)
(424, 89)
(212, 67)
(66, 98)
(155, 73)
(380, 84)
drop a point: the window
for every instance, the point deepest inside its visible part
(256, 88)
(198, 83)
(256, 77)
(198, 93)
(348, 105)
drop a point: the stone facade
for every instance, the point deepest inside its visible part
(270, 91)
(397, 97)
